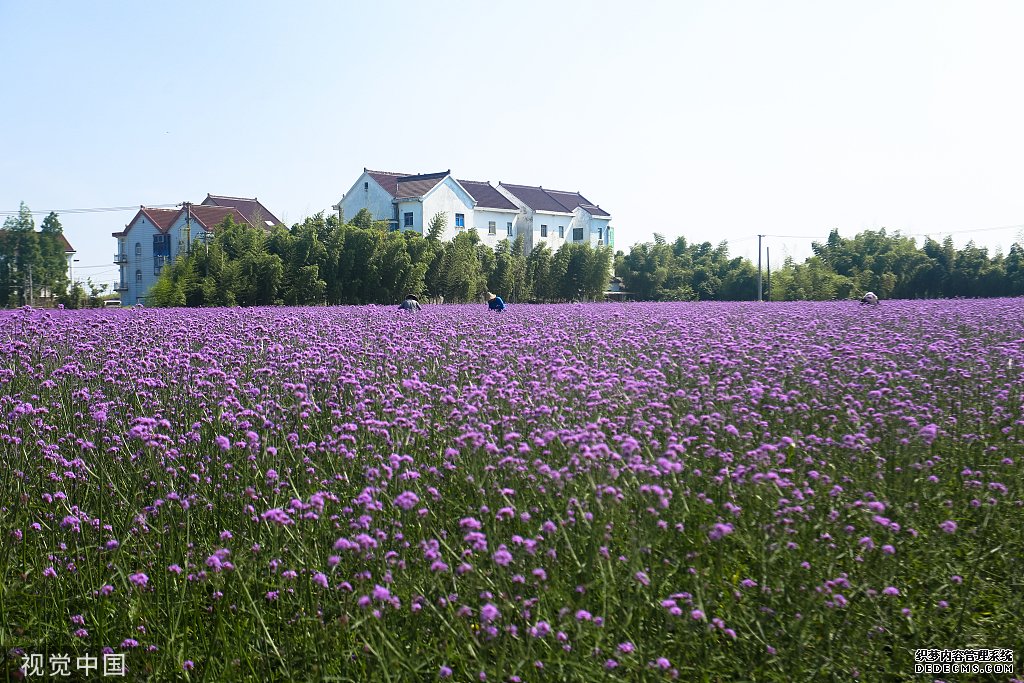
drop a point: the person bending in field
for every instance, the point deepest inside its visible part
(870, 299)
(495, 302)
(411, 303)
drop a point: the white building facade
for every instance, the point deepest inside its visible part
(505, 211)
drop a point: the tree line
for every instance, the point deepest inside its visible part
(34, 266)
(325, 261)
(889, 264)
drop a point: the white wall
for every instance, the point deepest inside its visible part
(416, 208)
(501, 220)
(602, 223)
(367, 194)
(552, 220)
(448, 198)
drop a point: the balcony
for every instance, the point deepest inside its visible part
(121, 287)
(120, 258)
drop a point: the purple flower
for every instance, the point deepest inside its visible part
(320, 579)
(139, 579)
(407, 500)
(949, 526)
(697, 615)
(890, 590)
(444, 672)
(503, 557)
(719, 531)
(489, 613)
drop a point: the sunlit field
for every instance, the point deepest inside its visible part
(636, 492)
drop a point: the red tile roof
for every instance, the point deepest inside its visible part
(255, 213)
(161, 218)
(68, 249)
(211, 216)
(486, 196)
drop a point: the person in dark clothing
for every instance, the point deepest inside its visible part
(411, 303)
(495, 302)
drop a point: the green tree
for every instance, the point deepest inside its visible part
(438, 224)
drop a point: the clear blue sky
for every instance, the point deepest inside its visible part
(713, 120)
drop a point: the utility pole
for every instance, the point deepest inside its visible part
(768, 272)
(31, 289)
(188, 227)
(759, 267)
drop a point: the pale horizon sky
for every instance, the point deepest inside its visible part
(715, 121)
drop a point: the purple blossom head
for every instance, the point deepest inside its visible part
(489, 613)
(719, 531)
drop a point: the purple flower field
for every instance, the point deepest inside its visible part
(701, 492)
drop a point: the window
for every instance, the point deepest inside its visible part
(543, 231)
(138, 276)
(366, 186)
(492, 228)
(138, 248)
(460, 220)
(577, 234)
(408, 219)
(561, 232)
(508, 226)
(599, 231)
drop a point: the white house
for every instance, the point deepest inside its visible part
(410, 201)
(155, 237)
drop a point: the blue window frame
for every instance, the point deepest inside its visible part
(460, 220)
(408, 219)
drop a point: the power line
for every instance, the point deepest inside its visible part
(100, 209)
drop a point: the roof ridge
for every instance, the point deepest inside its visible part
(227, 196)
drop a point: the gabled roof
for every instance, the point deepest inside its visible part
(558, 201)
(486, 196)
(536, 198)
(571, 200)
(255, 213)
(386, 179)
(210, 217)
(414, 186)
(68, 249)
(161, 218)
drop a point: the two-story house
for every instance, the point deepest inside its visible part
(155, 237)
(410, 201)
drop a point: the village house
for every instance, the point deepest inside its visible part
(505, 211)
(155, 237)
